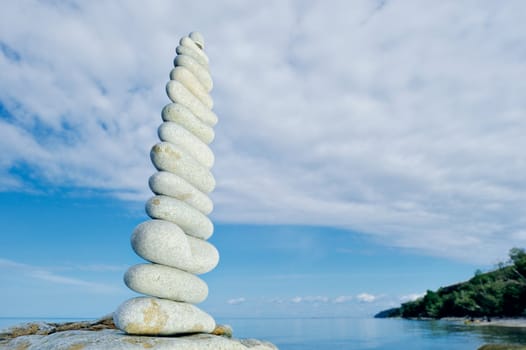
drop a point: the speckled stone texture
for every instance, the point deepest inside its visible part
(153, 316)
(174, 241)
(117, 340)
(101, 334)
(166, 282)
(165, 243)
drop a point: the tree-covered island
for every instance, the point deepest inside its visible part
(498, 293)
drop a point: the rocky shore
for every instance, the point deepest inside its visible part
(103, 335)
(502, 347)
(496, 322)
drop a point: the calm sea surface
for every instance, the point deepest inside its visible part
(351, 333)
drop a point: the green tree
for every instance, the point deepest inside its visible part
(518, 259)
(413, 309)
(432, 304)
(465, 304)
(501, 292)
(514, 299)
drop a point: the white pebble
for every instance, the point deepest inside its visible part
(152, 316)
(180, 94)
(178, 113)
(169, 157)
(198, 70)
(166, 282)
(164, 242)
(192, 221)
(179, 136)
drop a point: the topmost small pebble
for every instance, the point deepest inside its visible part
(198, 39)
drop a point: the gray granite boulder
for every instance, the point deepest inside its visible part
(102, 335)
(116, 340)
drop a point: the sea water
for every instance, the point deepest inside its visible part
(370, 333)
(354, 333)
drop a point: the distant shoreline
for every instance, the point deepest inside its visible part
(497, 322)
(515, 322)
(519, 322)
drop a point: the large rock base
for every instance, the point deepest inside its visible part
(102, 335)
(111, 339)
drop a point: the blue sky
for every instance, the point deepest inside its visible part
(63, 255)
(366, 150)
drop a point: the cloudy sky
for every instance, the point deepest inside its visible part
(366, 150)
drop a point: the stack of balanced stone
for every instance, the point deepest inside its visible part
(174, 241)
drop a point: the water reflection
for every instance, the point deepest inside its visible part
(379, 334)
(494, 334)
(487, 333)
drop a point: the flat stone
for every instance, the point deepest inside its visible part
(198, 70)
(95, 335)
(164, 182)
(45, 328)
(179, 136)
(191, 220)
(190, 81)
(184, 50)
(198, 39)
(191, 44)
(178, 113)
(165, 243)
(29, 328)
(169, 157)
(166, 282)
(152, 316)
(116, 340)
(179, 93)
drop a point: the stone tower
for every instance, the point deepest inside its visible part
(174, 240)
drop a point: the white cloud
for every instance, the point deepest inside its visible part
(411, 297)
(411, 130)
(102, 268)
(13, 265)
(296, 300)
(236, 301)
(276, 300)
(96, 287)
(342, 299)
(366, 298)
(47, 274)
(310, 299)
(296, 276)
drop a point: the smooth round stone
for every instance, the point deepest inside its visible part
(166, 282)
(189, 43)
(192, 221)
(169, 157)
(165, 243)
(171, 185)
(184, 50)
(223, 331)
(179, 136)
(190, 81)
(198, 70)
(176, 112)
(177, 92)
(198, 39)
(152, 316)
